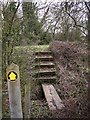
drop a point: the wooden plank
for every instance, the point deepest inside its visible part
(48, 97)
(45, 71)
(0, 100)
(45, 63)
(44, 58)
(54, 101)
(27, 100)
(57, 100)
(47, 78)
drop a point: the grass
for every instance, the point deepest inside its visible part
(34, 48)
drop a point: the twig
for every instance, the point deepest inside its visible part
(88, 7)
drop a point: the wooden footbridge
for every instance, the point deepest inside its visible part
(45, 71)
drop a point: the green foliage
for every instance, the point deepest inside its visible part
(71, 35)
(45, 38)
(8, 14)
(33, 31)
(31, 25)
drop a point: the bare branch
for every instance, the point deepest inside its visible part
(75, 22)
(43, 19)
(42, 7)
(86, 4)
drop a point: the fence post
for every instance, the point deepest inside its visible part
(27, 101)
(13, 79)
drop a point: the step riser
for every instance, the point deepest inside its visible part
(44, 74)
(43, 53)
(43, 66)
(46, 81)
(43, 59)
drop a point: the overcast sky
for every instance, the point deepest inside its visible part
(48, 0)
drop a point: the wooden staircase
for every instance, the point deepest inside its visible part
(44, 68)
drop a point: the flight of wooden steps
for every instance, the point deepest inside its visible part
(45, 72)
(44, 67)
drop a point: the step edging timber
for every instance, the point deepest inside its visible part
(46, 78)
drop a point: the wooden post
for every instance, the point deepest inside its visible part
(14, 91)
(0, 63)
(27, 101)
(0, 100)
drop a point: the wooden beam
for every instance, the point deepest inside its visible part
(13, 79)
(48, 97)
(54, 101)
(56, 97)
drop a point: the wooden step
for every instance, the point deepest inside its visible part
(53, 100)
(47, 78)
(44, 74)
(45, 64)
(45, 71)
(43, 53)
(43, 58)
